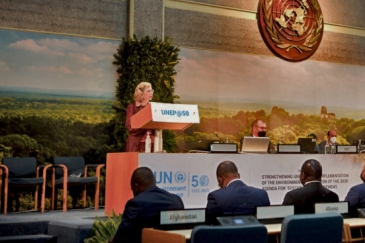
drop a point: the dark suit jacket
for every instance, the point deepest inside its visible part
(142, 212)
(322, 146)
(237, 198)
(356, 198)
(305, 197)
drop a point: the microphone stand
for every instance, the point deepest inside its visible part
(219, 138)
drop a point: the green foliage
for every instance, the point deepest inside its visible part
(103, 230)
(89, 111)
(145, 60)
(44, 126)
(21, 145)
(281, 125)
(45, 138)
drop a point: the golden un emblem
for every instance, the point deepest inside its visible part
(292, 29)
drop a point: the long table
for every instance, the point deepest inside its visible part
(192, 176)
(275, 229)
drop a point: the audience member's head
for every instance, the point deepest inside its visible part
(226, 172)
(258, 128)
(142, 178)
(311, 171)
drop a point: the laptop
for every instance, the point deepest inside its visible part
(258, 145)
(307, 145)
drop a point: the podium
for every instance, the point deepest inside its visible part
(120, 166)
(160, 116)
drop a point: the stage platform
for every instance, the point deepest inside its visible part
(51, 226)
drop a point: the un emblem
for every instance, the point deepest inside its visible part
(180, 177)
(204, 180)
(292, 29)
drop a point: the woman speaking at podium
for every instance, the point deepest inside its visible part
(137, 137)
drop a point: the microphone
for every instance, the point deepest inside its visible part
(219, 138)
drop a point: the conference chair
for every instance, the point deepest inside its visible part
(72, 171)
(150, 235)
(22, 173)
(314, 228)
(354, 234)
(231, 234)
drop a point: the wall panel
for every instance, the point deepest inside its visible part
(349, 12)
(208, 31)
(344, 12)
(148, 18)
(341, 48)
(102, 18)
(241, 4)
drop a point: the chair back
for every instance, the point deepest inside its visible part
(231, 234)
(324, 227)
(24, 167)
(150, 235)
(75, 165)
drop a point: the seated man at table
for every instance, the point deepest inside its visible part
(234, 197)
(331, 141)
(142, 210)
(356, 195)
(313, 191)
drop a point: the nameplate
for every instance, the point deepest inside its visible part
(338, 207)
(289, 148)
(182, 216)
(223, 148)
(274, 212)
(346, 149)
(178, 113)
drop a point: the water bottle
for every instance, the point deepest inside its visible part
(359, 146)
(147, 148)
(326, 149)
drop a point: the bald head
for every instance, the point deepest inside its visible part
(311, 171)
(141, 179)
(226, 171)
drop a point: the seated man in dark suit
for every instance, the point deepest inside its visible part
(234, 197)
(331, 141)
(356, 195)
(142, 210)
(313, 191)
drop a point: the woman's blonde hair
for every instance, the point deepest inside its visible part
(138, 92)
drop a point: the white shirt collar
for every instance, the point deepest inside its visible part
(311, 182)
(238, 179)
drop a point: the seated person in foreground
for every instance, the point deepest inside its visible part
(234, 197)
(356, 196)
(142, 211)
(313, 191)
